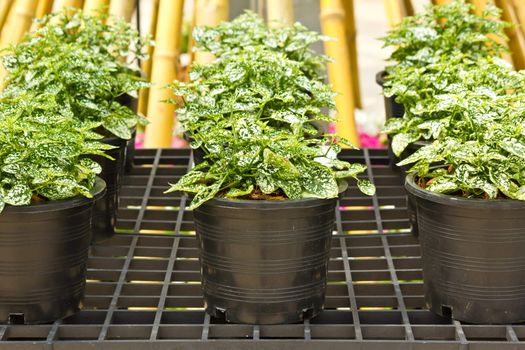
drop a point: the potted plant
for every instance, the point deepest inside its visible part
(470, 214)
(89, 65)
(264, 207)
(434, 45)
(47, 190)
(249, 32)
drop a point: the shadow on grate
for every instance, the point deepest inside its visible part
(144, 284)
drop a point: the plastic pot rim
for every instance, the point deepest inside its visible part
(97, 192)
(457, 201)
(266, 204)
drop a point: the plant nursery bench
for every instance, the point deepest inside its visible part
(143, 288)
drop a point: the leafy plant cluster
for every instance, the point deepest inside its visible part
(88, 64)
(43, 150)
(468, 103)
(251, 111)
(249, 31)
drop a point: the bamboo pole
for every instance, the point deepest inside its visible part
(408, 7)
(44, 7)
(18, 22)
(394, 12)
(339, 72)
(516, 36)
(5, 5)
(122, 8)
(95, 7)
(164, 71)
(519, 7)
(16, 25)
(279, 12)
(351, 36)
(440, 2)
(68, 3)
(191, 40)
(209, 13)
(146, 65)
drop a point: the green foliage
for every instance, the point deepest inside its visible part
(446, 30)
(458, 94)
(249, 31)
(439, 56)
(86, 63)
(43, 150)
(251, 112)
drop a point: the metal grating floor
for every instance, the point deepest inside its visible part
(143, 290)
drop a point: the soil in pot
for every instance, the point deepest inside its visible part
(392, 108)
(264, 261)
(473, 256)
(105, 210)
(43, 258)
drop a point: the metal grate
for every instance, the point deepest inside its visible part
(143, 289)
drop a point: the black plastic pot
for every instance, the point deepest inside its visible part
(392, 108)
(131, 103)
(264, 262)
(473, 256)
(43, 256)
(104, 212)
(130, 152)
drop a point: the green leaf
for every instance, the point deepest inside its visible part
(401, 141)
(366, 187)
(18, 195)
(238, 192)
(443, 184)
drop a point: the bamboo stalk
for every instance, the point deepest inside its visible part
(18, 22)
(164, 71)
(394, 12)
(519, 7)
(68, 3)
(440, 2)
(339, 72)
(44, 7)
(279, 12)
(5, 5)
(95, 7)
(191, 40)
(209, 13)
(408, 7)
(122, 8)
(516, 36)
(146, 65)
(351, 36)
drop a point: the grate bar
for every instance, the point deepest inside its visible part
(511, 334)
(348, 277)
(171, 263)
(131, 251)
(205, 327)
(52, 335)
(256, 332)
(460, 335)
(388, 254)
(307, 330)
